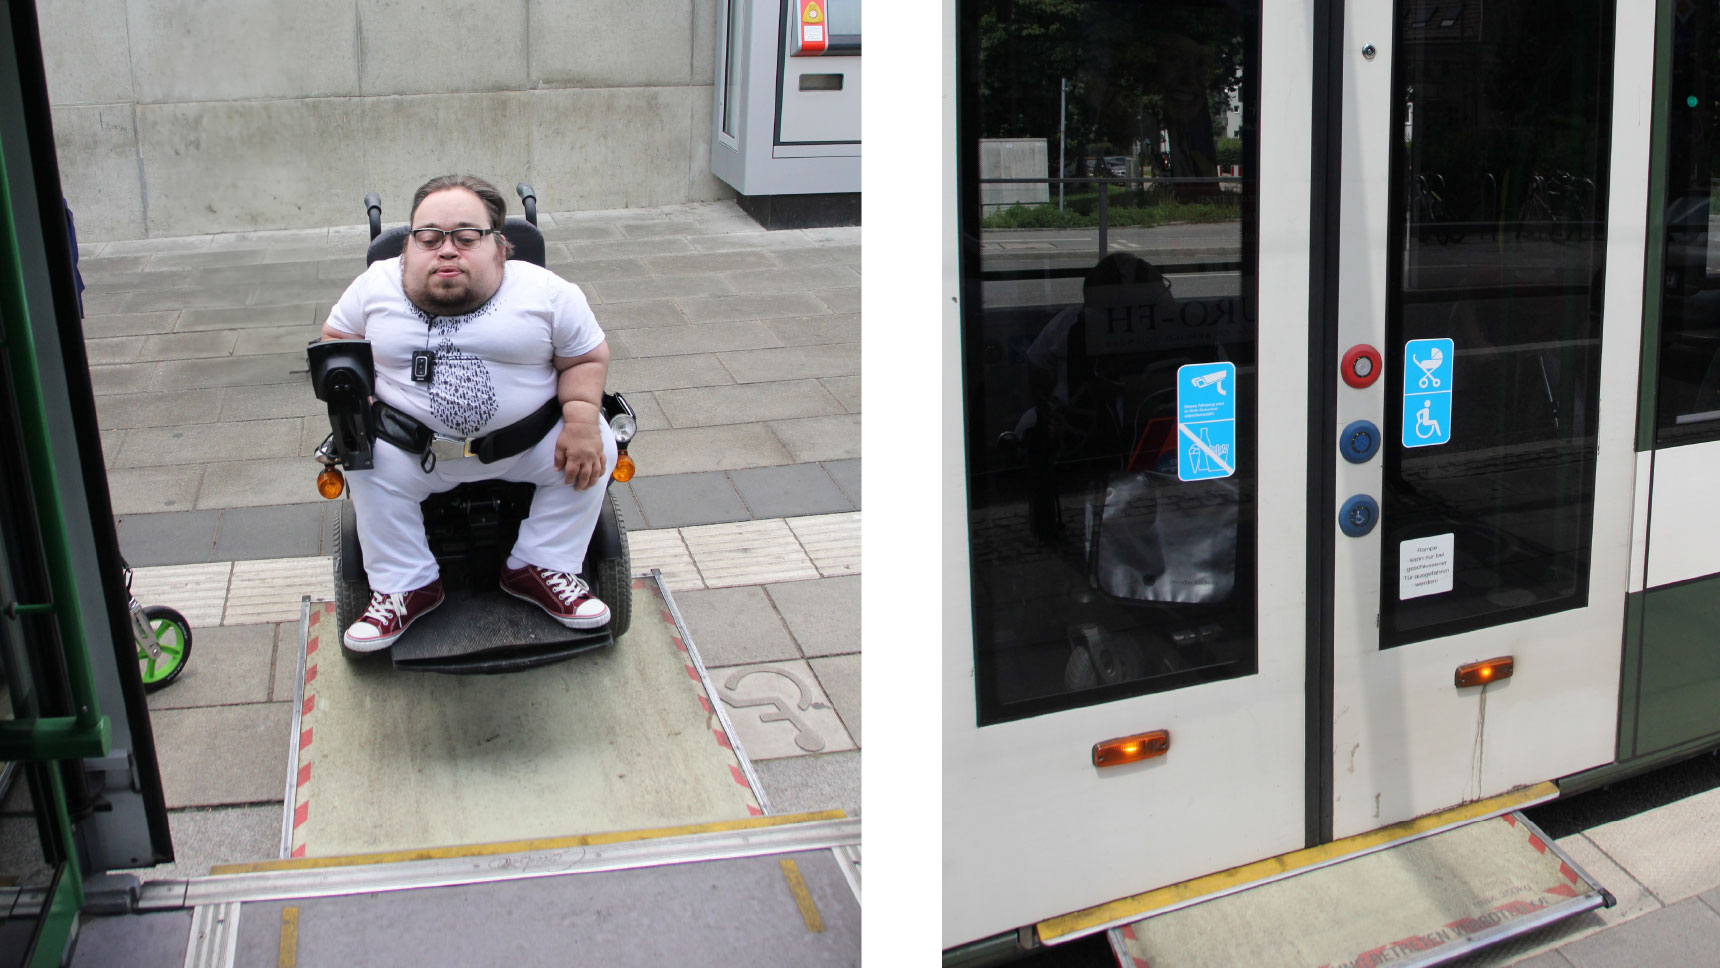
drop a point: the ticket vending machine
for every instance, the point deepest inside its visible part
(786, 113)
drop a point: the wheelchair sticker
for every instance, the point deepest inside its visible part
(1206, 421)
(1427, 392)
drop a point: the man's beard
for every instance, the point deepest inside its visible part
(457, 302)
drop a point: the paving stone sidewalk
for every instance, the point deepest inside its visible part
(738, 348)
(1663, 867)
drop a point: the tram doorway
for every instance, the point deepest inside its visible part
(1262, 460)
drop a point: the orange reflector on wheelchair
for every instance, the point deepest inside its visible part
(331, 483)
(623, 469)
(1131, 749)
(1485, 671)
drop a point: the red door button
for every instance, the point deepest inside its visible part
(1361, 366)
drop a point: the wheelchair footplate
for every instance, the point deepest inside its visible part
(479, 631)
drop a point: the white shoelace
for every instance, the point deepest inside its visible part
(383, 608)
(567, 587)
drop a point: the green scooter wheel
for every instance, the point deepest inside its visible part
(173, 636)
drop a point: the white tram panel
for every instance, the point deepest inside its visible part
(1031, 828)
(1406, 742)
(1685, 512)
(1364, 187)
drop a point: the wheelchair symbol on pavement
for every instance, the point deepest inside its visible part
(805, 735)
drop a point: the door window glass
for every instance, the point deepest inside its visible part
(1109, 250)
(1688, 399)
(1499, 173)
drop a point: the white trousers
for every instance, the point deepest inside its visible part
(397, 557)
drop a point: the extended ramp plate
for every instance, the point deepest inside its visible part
(1424, 902)
(619, 739)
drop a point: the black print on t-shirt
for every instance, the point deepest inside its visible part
(461, 394)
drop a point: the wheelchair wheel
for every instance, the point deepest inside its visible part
(615, 580)
(351, 595)
(173, 636)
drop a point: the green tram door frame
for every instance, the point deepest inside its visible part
(78, 726)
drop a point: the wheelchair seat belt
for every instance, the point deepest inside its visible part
(415, 437)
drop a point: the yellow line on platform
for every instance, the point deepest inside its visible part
(522, 846)
(1140, 905)
(289, 955)
(802, 897)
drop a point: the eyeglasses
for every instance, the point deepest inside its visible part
(463, 238)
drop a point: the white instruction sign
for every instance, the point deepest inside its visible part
(1425, 566)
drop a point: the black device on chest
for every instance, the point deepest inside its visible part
(423, 366)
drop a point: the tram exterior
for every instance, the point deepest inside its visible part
(1387, 351)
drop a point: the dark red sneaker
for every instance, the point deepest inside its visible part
(565, 597)
(388, 616)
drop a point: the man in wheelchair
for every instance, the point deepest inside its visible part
(484, 369)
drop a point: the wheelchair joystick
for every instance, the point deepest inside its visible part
(343, 376)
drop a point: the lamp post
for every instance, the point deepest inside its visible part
(1062, 123)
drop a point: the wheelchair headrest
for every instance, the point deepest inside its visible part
(527, 240)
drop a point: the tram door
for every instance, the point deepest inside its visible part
(1130, 494)
(1492, 190)
(1144, 535)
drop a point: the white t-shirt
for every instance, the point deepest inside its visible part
(493, 365)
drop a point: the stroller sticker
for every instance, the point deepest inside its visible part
(1427, 392)
(1206, 421)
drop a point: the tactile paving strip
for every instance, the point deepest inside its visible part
(748, 553)
(707, 556)
(832, 541)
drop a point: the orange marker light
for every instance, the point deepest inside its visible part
(1131, 749)
(623, 469)
(1485, 671)
(331, 483)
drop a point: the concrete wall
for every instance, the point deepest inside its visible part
(184, 117)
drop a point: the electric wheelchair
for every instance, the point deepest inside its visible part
(471, 528)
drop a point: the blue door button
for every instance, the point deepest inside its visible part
(1358, 516)
(1359, 441)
